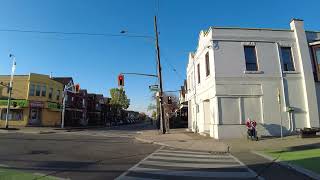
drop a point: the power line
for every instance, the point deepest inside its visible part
(173, 68)
(75, 33)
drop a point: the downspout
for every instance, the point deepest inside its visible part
(195, 97)
(283, 88)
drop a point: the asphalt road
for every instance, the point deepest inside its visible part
(74, 155)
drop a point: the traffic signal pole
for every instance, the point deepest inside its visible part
(162, 119)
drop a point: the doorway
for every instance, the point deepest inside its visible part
(35, 116)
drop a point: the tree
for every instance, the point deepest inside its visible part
(154, 114)
(169, 109)
(119, 98)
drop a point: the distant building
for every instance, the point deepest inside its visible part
(36, 100)
(75, 112)
(182, 112)
(94, 109)
(106, 111)
(241, 73)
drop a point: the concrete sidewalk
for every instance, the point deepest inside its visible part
(44, 130)
(180, 138)
(243, 149)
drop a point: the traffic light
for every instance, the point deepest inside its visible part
(77, 88)
(169, 100)
(120, 80)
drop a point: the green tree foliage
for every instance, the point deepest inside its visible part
(119, 98)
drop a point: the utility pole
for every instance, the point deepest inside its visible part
(10, 88)
(65, 96)
(162, 119)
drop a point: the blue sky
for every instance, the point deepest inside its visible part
(95, 61)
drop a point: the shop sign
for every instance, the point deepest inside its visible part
(18, 103)
(36, 104)
(54, 106)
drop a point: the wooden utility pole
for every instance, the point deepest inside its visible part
(162, 119)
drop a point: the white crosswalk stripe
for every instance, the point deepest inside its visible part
(169, 163)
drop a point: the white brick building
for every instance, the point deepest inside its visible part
(237, 73)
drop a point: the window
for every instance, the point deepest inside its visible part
(286, 58)
(44, 91)
(58, 95)
(316, 62)
(317, 55)
(38, 89)
(207, 64)
(251, 58)
(50, 93)
(198, 69)
(14, 114)
(31, 90)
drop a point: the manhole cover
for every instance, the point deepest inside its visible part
(182, 141)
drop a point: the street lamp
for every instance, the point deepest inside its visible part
(10, 88)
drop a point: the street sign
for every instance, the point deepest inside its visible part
(154, 88)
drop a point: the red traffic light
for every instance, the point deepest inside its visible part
(120, 80)
(77, 88)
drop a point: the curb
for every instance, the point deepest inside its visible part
(152, 142)
(290, 166)
(164, 144)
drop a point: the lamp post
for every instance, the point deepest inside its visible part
(10, 88)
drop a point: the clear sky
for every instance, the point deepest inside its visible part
(95, 61)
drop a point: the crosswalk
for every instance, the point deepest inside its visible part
(170, 163)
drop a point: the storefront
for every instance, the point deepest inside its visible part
(18, 114)
(35, 117)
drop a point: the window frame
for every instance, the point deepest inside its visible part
(207, 61)
(291, 57)
(315, 62)
(33, 92)
(50, 94)
(44, 90)
(255, 55)
(58, 92)
(38, 89)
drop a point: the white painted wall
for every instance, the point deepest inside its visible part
(235, 95)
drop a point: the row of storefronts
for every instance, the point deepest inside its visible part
(37, 101)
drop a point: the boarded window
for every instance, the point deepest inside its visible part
(251, 108)
(251, 58)
(229, 111)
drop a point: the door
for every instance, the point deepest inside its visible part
(35, 116)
